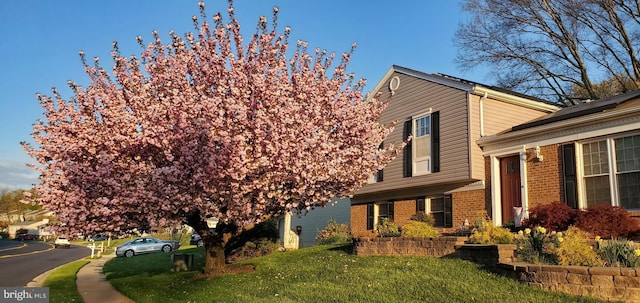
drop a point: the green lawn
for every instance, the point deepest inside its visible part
(62, 283)
(323, 274)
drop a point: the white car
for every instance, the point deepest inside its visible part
(62, 241)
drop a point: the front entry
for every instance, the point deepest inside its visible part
(510, 185)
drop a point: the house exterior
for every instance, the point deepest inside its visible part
(442, 170)
(36, 228)
(35, 222)
(298, 231)
(581, 155)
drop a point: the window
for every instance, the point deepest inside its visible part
(385, 211)
(379, 175)
(611, 172)
(628, 171)
(421, 146)
(596, 173)
(439, 207)
(422, 153)
(378, 211)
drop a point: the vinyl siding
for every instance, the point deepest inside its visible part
(317, 219)
(414, 97)
(498, 117)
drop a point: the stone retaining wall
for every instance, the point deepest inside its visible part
(401, 246)
(488, 255)
(609, 283)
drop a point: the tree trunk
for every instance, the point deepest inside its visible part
(215, 241)
(214, 256)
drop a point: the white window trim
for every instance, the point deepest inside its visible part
(613, 172)
(376, 213)
(414, 128)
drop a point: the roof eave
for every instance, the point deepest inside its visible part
(508, 98)
(555, 126)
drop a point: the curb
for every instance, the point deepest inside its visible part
(39, 280)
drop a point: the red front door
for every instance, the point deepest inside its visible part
(510, 185)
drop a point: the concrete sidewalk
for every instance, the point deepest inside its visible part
(91, 283)
(94, 287)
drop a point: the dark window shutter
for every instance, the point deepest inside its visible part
(407, 154)
(370, 216)
(420, 205)
(435, 142)
(448, 211)
(569, 173)
(380, 173)
(390, 204)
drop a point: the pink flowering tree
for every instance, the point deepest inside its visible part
(205, 126)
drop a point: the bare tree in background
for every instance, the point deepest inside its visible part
(560, 50)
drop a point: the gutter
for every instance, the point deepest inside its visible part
(559, 126)
(504, 97)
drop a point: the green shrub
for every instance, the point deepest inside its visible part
(607, 221)
(486, 233)
(511, 225)
(258, 241)
(418, 229)
(334, 233)
(387, 228)
(619, 253)
(424, 217)
(574, 249)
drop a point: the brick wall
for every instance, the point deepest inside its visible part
(403, 211)
(359, 221)
(544, 178)
(468, 205)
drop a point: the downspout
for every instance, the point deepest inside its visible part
(482, 114)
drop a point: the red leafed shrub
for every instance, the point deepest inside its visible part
(607, 221)
(556, 216)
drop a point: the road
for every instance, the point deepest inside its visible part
(21, 262)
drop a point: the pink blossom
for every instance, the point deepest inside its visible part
(216, 129)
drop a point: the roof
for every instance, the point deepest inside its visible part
(579, 110)
(496, 88)
(26, 223)
(473, 88)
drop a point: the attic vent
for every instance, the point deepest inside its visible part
(394, 83)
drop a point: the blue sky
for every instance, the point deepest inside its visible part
(40, 41)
